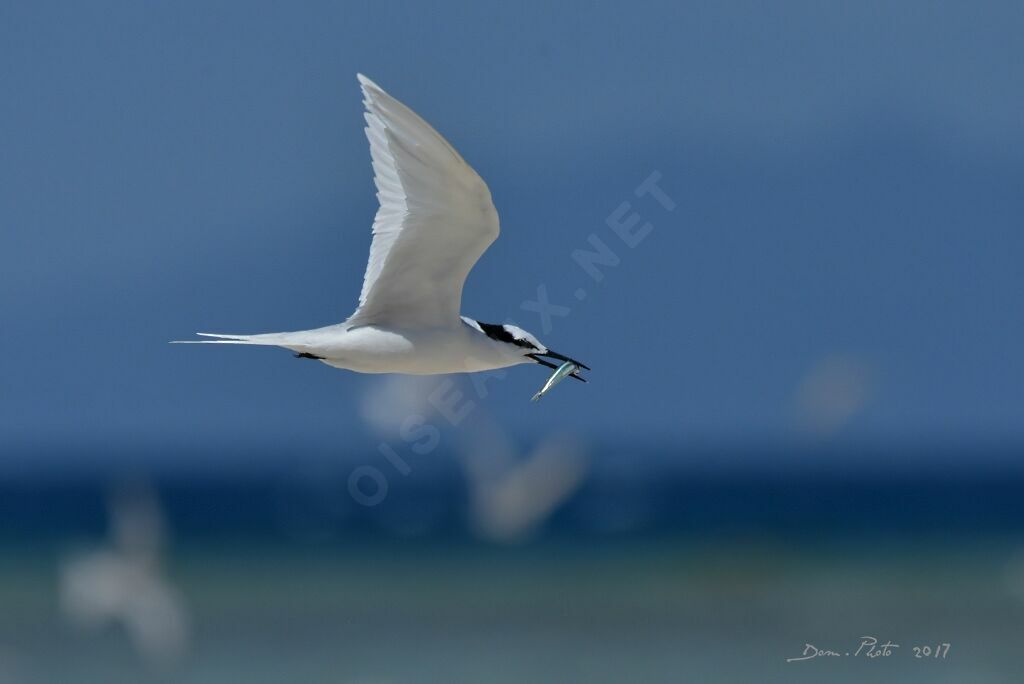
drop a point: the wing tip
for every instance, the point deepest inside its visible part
(367, 84)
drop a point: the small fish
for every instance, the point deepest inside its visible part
(561, 373)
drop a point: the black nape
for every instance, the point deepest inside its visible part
(503, 334)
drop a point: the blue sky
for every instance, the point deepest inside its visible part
(848, 181)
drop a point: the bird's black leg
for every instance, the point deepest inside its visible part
(307, 355)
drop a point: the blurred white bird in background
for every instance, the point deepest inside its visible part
(511, 495)
(435, 220)
(831, 393)
(123, 583)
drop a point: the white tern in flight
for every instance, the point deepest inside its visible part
(435, 220)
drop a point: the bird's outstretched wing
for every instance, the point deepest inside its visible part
(435, 220)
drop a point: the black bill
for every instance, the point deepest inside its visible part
(555, 355)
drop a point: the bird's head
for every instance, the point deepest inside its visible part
(524, 343)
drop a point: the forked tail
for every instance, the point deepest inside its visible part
(269, 339)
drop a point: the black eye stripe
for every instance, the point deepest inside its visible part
(502, 334)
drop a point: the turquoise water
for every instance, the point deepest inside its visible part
(666, 609)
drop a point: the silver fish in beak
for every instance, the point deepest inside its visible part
(561, 373)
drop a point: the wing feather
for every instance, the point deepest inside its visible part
(435, 219)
